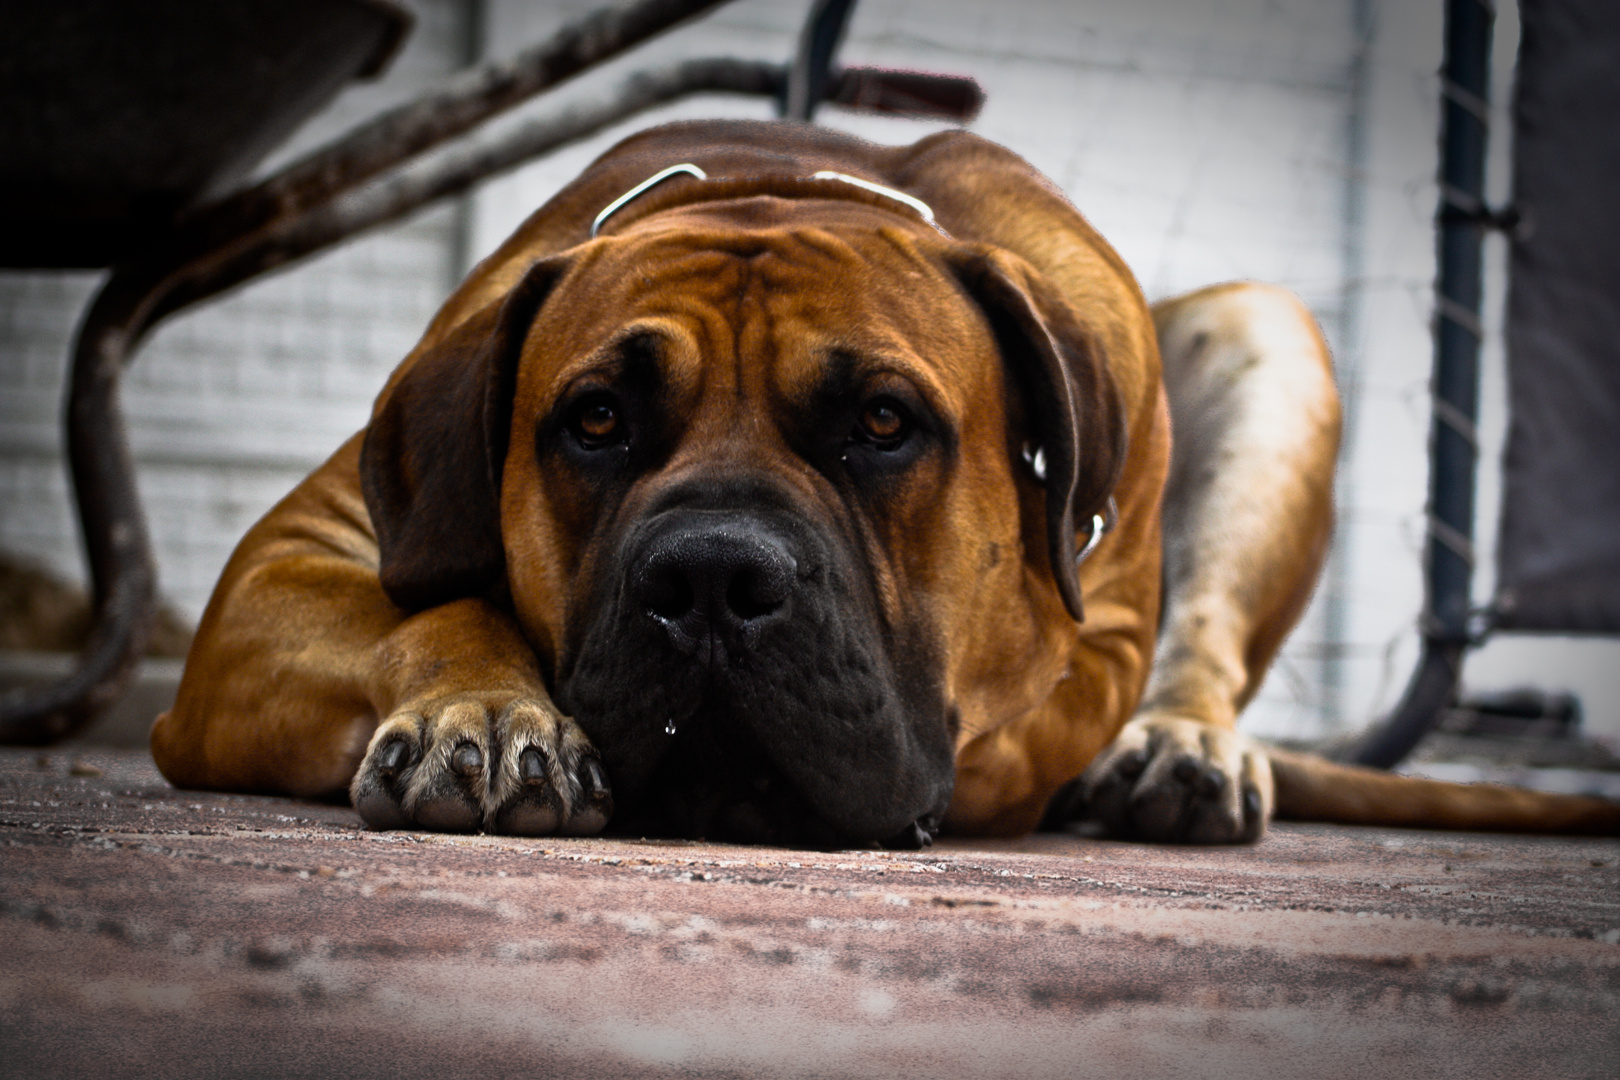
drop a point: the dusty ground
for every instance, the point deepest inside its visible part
(149, 932)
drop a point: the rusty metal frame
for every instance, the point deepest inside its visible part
(812, 71)
(1450, 623)
(317, 202)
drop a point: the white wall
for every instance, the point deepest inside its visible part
(1284, 140)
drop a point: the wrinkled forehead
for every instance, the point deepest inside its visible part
(792, 280)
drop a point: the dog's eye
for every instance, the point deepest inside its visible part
(883, 424)
(597, 423)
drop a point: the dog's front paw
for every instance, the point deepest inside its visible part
(1167, 779)
(459, 763)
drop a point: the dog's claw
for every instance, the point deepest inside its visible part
(376, 791)
(393, 758)
(595, 779)
(914, 837)
(596, 801)
(467, 760)
(535, 809)
(532, 766)
(1252, 805)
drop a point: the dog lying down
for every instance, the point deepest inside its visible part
(769, 485)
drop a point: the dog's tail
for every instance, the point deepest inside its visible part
(1311, 788)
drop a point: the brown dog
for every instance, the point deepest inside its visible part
(757, 516)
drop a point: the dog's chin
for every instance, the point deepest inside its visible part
(807, 741)
(724, 789)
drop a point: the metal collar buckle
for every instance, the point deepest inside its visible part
(1101, 524)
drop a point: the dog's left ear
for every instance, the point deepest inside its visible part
(1061, 365)
(431, 460)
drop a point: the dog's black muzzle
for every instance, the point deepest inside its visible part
(736, 679)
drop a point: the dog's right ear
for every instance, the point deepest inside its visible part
(431, 460)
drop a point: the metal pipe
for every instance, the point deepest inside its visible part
(811, 77)
(1453, 445)
(1433, 683)
(116, 543)
(459, 106)
(458, 169)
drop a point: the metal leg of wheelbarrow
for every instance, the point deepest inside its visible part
(116, 544)
(1453, 446)
(811, 78)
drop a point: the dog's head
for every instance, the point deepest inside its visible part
(753, 474)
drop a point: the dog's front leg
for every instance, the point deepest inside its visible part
(301, 657)
(469, 737)
(1247, 516)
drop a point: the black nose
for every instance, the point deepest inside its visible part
(714, 585)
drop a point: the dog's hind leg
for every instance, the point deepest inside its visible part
(1247, 518)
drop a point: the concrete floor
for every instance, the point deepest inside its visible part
(149, 932)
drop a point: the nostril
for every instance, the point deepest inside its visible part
(750, 597)
(706, 581)
(669, 595)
